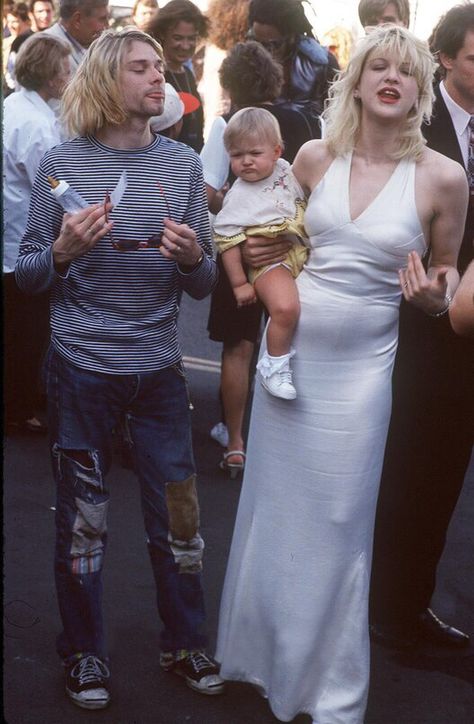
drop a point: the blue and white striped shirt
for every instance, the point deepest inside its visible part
(116, 311)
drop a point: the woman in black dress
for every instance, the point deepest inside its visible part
(252, 78)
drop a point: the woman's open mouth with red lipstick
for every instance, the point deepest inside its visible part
(389, 95)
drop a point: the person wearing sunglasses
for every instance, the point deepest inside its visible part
(282, 27)
(116, 270)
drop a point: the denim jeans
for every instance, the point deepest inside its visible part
(84, 409)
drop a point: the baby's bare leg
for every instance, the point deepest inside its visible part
(277, 290)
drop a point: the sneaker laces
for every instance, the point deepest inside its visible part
(286, 377)
(89, 669)
(199, 661)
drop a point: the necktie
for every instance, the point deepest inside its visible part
(470, 160)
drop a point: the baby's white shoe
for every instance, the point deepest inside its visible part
(276, 375)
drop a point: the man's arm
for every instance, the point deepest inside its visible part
(53, 239)
(196, 266)
(462, 309)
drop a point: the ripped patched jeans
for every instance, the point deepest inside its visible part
(84, 408)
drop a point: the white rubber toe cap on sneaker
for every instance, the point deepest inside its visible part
(91, 698)
(211, 684)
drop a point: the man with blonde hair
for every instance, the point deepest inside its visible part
(116, 269)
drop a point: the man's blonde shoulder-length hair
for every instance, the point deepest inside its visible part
(342, 114)
(93, 98)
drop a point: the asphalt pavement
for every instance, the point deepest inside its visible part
(424, 686)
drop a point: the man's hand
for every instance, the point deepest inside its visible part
(179, 244)
(79, 234)
(261, 251)
(244, 294)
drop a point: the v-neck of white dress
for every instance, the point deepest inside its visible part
(386, 186)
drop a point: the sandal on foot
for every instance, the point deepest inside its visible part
(232, 468)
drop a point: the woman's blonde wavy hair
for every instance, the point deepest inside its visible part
(343, 112)
(93, 98)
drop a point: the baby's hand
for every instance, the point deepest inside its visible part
(245, 294)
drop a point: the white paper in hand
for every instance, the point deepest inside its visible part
(119, 190)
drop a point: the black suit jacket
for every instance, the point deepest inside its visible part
(429, 440)
(441, 136)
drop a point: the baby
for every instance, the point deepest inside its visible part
(265, 200)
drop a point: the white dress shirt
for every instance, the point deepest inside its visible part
(460, 119)
(30, 128)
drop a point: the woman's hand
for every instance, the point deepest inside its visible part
(427, 291)
(261, 251)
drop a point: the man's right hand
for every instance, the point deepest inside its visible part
(261, 251)
(79, 233)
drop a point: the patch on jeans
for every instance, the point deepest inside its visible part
(87, 564)
(187, 553)
(183, 508)
(87, 548)
(183, 512)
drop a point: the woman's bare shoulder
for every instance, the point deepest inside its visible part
(311, 163)
(440, 171)
(315, 150)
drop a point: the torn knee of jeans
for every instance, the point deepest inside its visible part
(83, 465)
(183, 509)
(84, 458)
(88, 534)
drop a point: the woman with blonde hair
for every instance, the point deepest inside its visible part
(293, 616)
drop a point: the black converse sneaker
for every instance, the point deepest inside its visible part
(199, 670)
(87, 682)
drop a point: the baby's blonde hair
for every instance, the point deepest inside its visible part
(252, 123)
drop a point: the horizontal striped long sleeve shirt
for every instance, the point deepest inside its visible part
(116, 311)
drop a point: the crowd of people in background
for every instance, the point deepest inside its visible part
(322, 143)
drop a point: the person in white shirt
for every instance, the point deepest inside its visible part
(30, 128)
(80, 22)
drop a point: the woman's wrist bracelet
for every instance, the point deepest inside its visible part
(448, 299)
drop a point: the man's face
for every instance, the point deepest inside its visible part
(272, 39)
(388, 15)
(142, 81)
(459, 79)
(42, 14)
(86, 28)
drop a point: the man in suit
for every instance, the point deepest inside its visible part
(80, 22)
(430, 437)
